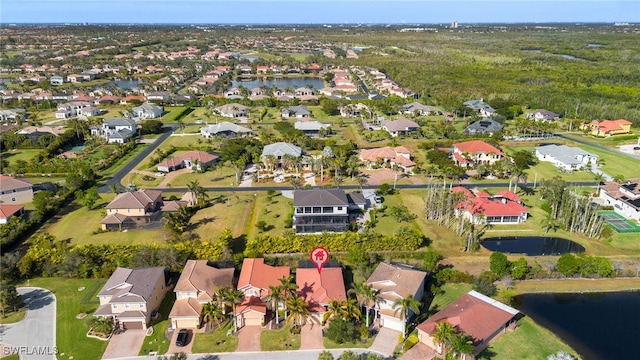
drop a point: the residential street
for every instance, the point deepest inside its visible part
(266, 355)
(34, 337)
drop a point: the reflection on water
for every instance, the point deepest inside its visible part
(532, 245)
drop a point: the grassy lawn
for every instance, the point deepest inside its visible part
(19, 154)
(273, 213)
(65, 227)
(157, 341)
(232, 210)
(14, 316)
(528, 341)
(282, 339)
(387, 224)
(448, 294)
(219, 176)
(576, 285)
(71, 332)
(208, 343)
(172, 113)
(330, 344)
(123, 161)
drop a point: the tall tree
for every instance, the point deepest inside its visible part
(211, 312)
(444, 334)
(404, 305)
(275, 297)
(298, 310)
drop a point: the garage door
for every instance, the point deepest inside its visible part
(185, 323)
(133, 325)
(249, 321)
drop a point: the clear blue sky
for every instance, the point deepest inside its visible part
(316, 11)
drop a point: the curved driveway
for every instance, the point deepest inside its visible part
(34, 337)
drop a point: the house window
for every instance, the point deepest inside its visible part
(114, 306)
(14, 199)
(316, 210)
(141, 306)
(307, 210)
(339, 208)
(327, 210)
(126, 306)
(299, 210)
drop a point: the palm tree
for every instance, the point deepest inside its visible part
(395, 168)
(211, 312)
(444, 334)
(275, 298)
(599, 179)
(298, 310)
(232, 297)
(462, 344)
(405, 304)
(366, 296)
(296, 182)
(197, 191)
(338, 180)
(362, 180)
(289, 288)
(333, 310)
(350, 310)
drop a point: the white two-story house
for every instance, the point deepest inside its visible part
(319, 210)
(625, 198)
(116, 130)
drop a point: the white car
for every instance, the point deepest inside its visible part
(159, 174)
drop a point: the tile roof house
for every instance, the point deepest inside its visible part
(233, 110)
(9, 210)
(279, 150)
(398, 155)
(401, 126)
(298, 112)
(481, 208)
(130, 296)
(131, 208)
(625, 198)
(479, 316)
(474, 152)
(312, 129)
(255, 279)
(486, 126)
(566, 157)
(543, 115)
(200, 160)
(319, 210)
(354, 110)
(15, 190)
(147, 111)
(416, 108)
(318, 288)
(224, 128)
(607, 128)
(394, 281)
(198, 285)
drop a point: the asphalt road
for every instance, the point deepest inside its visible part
(267, 355)
(34, 337)
(117, 177)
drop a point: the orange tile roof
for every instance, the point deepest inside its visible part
(475, 315)
(318, 288)
(252, 303)
(476, 146)
(255, 273)
(6, 210)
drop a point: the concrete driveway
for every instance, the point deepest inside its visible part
(173, 349)
(386, 341)
(249, 338)
(34, 337)
(125, 344)
(311, 337)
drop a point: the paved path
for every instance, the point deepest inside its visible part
(311, 337)
(249, 338)
(419, 352)
(309, 179)
(173, 349)
(126, 343)
(267, 355)
(386, 341)
(34, 337)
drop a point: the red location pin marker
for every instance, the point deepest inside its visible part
(319, 256)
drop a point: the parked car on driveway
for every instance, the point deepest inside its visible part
(183, 337)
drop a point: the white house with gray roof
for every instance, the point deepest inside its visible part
(312, 129)
(130, 296)
(298, 112)
(116, 130)
(319, 210)
(233, 110)
(279, 150)
(401, 126)
(482, 108)
(224, 128)
(566, 157)
(147, 111)
(416, 108)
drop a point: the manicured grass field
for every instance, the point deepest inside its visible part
(528, 341)
(71, 332)
(273, 213)
(218, 176)
(157, 341)
(208, 343)
(232, 210)
(13, 316)
(123, 161)
(277, 340)
(19, 154)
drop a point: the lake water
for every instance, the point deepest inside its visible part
(295, 82)
(531, 245)
(597, 326)
(123, 84)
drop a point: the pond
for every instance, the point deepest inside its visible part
(282, 83)
(123, 84)
(531, 245)
(596, 325)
